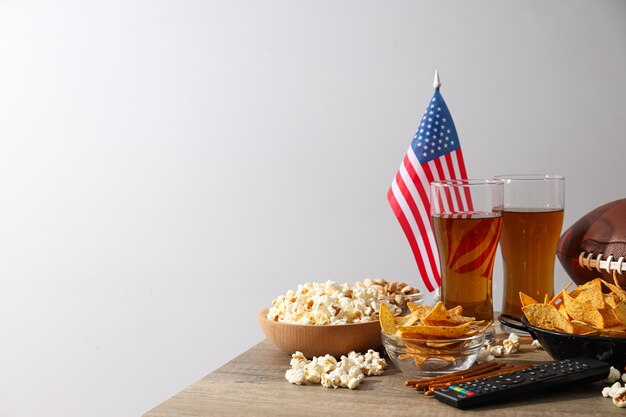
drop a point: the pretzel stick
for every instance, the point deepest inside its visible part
(458, 373)
(506, 370)
(502, 370)
(449, 378)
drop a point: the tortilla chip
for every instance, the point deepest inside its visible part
(448, 332)
(387, 320)
(610, 318)
(526, 299)
(582, 312)
(620, 312)
(437, 313)
(456, 311)
(593, 297)
(547, 316)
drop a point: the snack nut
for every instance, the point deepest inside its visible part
(395, 292)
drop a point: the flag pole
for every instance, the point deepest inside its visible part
(437, 82)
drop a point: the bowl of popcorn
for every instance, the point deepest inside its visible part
(321, 318)
(432, 341)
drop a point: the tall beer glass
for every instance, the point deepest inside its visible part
(467, 219)
(531, 224)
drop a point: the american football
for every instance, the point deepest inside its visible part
(601, 231)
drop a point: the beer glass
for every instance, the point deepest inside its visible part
(531, 225)
(467, 219)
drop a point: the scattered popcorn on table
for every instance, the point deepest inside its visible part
(484, 355)
(296, 376)
(325, 303)
(496, 351)
(511, 345)
(616, 392)
(619, 399)
(536, 344)
(489, 352)
(613, 376)
(325, 370)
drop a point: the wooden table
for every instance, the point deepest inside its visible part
(253, 384)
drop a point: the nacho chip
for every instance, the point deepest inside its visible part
(419, 309)
(387, 321)
(609, 317)
(610, 300)
(591, 296)
(526, 299)
(620, 312)
(409, 319)
(562, 311)
(580, 327)
(547, 316)
(456, 311)
(448, 332)
(594, 285)
(616, 291)
(437, 313)
(583, 312)
(613, 332)
(559, 296)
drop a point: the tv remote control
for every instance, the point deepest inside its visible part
(515, 384)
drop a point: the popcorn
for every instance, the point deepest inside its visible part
(497, 351)
(325, 370)
(328, 363)
(616, 392)
(536, 344)
(296, 376)
(619, 398)
(484, 355)
(326, 303)
(614, 389)
(511, 345)
(332, 379)
(353, 383)
(298, 360)
(613, 376)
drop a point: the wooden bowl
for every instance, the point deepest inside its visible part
(312, 340)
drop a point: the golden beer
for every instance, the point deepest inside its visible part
(467, 246)
(528, 243)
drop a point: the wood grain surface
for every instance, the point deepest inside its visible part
(253, 384)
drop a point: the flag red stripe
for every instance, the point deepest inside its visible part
(410, 237)
(457, 192)
(422, 223)
(460, 160)
(424, 194)
(443, 176)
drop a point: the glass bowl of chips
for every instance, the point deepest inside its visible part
(424, 357)
(431, 341)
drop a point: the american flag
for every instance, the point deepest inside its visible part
(434, 154)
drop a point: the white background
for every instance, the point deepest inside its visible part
(169, 167)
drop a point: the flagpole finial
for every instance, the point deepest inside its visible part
(437, 82)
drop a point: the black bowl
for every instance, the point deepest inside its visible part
(564, 345)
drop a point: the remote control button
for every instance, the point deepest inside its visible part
(460, 396)
(469, 393)
(513, 380)
(546, 374)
